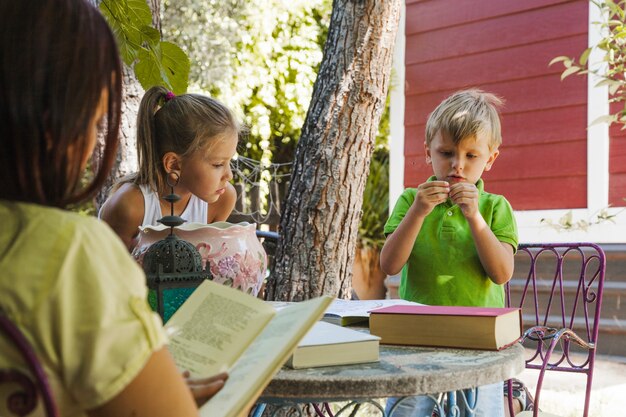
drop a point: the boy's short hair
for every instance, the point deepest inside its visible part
(465, 114)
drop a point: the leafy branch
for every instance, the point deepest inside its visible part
(567, 223)
(610, 73)
(154, 61)
(613, 47)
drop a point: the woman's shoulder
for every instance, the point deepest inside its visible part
(51, 230)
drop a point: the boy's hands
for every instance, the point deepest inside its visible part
(429, 194)
(465, 195)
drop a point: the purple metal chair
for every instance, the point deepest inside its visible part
(24, 400)
(559, 290)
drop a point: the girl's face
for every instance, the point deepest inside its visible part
(205, 172)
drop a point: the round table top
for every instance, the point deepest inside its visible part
(402, 371)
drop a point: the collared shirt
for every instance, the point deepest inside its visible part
(443, 267)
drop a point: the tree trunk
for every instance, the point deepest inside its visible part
(126, 160)
(319, 224)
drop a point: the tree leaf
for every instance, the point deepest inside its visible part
(138, 13)
(571, 70)
(147, 70)
(176, 65)
(166, 65)
(584, 57)
(613, 88)
(150, 35)
(559, 59)
(609, 118)
(127, 41)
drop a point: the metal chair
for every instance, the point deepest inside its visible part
(270, 244)
(561, 297)
(23, 401)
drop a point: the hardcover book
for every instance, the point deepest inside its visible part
(328, 344)
(443, 326)
(219, 328)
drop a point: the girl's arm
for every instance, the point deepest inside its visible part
(124, 212)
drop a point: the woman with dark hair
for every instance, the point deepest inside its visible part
(67, 280)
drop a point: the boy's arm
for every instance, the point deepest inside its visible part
(495, 256)
(398, 246)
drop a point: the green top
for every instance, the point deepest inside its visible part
(443, 267)
(70, 285)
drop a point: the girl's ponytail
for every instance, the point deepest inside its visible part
(147, 149)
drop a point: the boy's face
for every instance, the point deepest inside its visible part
(464, 162)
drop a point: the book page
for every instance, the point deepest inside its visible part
(351, 311)
(264, 357)
(213, 327)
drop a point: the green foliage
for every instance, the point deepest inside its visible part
(154, 61)
(260, 57)
(375, 202)
(613, 48)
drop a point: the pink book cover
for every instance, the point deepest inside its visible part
(444, 310)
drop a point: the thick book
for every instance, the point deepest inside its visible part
(356, 312)
(442, 326)
(329, 345)
(219, 329)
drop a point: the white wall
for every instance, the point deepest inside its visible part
(396, 116)
(529, 222)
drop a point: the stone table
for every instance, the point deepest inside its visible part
(402, 371)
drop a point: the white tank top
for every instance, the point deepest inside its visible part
(195, 212)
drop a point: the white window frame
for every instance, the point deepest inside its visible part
(531, 229)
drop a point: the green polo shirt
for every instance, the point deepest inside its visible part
(444, 268)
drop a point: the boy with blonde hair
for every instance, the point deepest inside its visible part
(453, 242)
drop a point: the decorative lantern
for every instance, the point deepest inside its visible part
(173, 267)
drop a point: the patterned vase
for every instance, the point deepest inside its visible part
(231, 251)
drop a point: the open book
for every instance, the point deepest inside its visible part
(219, 328)
(349, 312)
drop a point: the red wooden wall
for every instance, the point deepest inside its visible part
(504, 47)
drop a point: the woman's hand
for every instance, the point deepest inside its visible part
(203, 389)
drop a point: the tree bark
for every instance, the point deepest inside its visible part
(319, 224)
(126, 160)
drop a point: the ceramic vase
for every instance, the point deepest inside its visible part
(230, 251)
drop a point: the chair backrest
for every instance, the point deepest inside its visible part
(269, 240)
(559, 286)
(24, 400)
